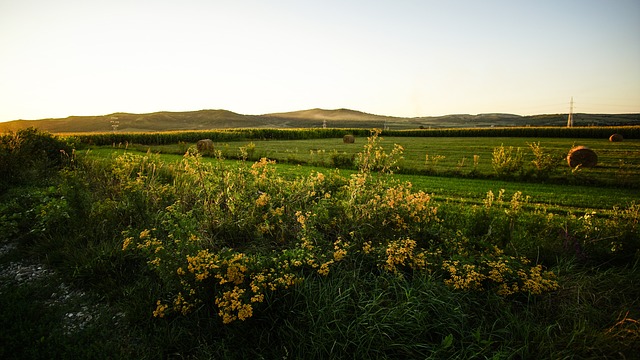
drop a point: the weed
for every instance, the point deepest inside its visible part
(507, 161)
(543, 163)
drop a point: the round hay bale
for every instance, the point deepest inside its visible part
(204, 145)
(615, 138)
(349, 139)
(583, 156)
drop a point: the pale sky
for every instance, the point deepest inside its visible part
(397, 57)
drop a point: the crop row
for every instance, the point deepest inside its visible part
(173, 137)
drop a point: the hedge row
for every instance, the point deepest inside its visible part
(592, 132)
(173, 137)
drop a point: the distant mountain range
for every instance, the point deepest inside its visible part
(313, 118)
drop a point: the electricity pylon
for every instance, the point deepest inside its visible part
(570, 118)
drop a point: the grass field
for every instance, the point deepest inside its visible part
(125, 253)
(464, 178)
(471, 190)
(618, 162)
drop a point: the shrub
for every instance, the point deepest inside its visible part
(30, 156)
(543, 162)
(248, 151)
(431, 162)
(373, 157)
(342, 160)
(507, 160)
(236, 235)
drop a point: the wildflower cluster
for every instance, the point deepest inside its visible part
(232, 307)
(262, 171)
(393, 207)
(239, 280)
(403, 254)
(463, 276)
(375, 158)
(506, 275)
(234, 235)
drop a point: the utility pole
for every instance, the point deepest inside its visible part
(114, 123)
(570, 118)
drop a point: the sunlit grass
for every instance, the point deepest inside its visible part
(450, 156)
(455, 188)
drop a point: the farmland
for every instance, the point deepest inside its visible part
(392, 247)
(458, 167)
(452, 156)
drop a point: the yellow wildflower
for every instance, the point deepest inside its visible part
(126, 243)
(160, 309)
(279, 211)
(262, 200)
(324, 268)
(245, 311)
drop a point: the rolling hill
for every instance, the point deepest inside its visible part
(339, 114)
(312, 118)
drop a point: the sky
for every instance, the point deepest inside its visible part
(396, 57)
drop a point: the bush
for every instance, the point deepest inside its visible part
(342, 160)
(373, 157)
(30, 156)
(543, 162)
(507, 161)
(241, 234)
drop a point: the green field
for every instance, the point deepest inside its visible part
(465, 189)
(452, 173)
(445, 154)
(332, 250)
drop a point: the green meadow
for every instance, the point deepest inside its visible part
(456, 167)
(298, 245)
